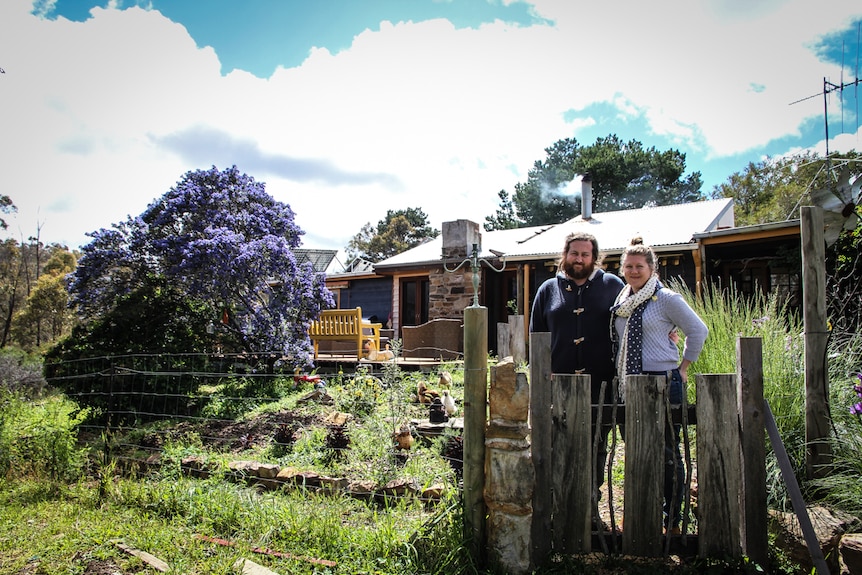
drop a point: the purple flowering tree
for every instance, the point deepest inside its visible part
(228, 246)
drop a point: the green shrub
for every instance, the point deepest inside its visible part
(361, 394)
(40, 437)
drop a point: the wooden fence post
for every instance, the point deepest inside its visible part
(517, 344)
(572, 469)
(818, 450)
(540, 439)
(749, 373)
(475, 418)
(646, 397)
(718, 462)
(503, 340)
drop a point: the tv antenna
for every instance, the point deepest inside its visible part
(829, 87)
(841, 198)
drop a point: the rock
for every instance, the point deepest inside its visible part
(253, 469)
(332, 484)
(511, 547)
(433, 493)
(337, 418)
(307, 479)
(425, 428)
(195, 466)
(850, 550)
(267, 470)
(318, 395)
(509, 480)
(363, 489)
(829, 526)
(287, 475)
(268, 484)
(399, 488)
(154, 461)
(509, 396)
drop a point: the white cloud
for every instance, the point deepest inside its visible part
(101, 117)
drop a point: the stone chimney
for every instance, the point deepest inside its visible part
(586, 197)
(459, 237)
(450, 293)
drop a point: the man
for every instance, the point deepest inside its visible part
(574, 306)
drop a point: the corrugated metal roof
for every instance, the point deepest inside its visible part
(788, 225)
(658, 226)
(320, 259)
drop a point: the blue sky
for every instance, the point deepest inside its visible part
(349, 108)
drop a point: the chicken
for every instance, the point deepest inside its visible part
(449, 403)
(403, 438)
(424, 394)
(445, 380)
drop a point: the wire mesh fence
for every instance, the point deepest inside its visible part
(368, 430)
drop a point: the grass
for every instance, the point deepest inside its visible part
(61, 511)
(63, 505)
(51, 526)
(842, 486)
(729, 315)
(164, 518)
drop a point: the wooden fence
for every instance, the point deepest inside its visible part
(730, 508)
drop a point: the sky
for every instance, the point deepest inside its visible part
(346, 109)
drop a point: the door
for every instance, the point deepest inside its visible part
(414, 300)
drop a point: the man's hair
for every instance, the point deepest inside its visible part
(579, 237)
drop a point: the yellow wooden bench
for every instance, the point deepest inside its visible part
(344, 325)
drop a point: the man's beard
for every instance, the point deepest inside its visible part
(579, 274)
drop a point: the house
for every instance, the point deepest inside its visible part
(758, 258)
(696, 242)
(358, 286)
(426, 285)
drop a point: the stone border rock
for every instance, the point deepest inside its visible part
(271, 477)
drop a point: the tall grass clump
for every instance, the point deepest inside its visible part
(729, 315)
(842, 487)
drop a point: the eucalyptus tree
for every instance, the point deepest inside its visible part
(45, 315)
(399, 231)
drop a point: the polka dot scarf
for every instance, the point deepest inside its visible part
(631, 305)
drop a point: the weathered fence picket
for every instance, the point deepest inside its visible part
(571, 463)
(541, 444)
(730, 465)
(718, 466)
(752, 427)
(646, 396)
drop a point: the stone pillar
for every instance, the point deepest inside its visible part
(509, 473)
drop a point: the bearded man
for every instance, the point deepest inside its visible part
(575, 307)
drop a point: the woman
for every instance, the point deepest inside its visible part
(646, 317)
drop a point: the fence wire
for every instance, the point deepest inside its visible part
(150, 409)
